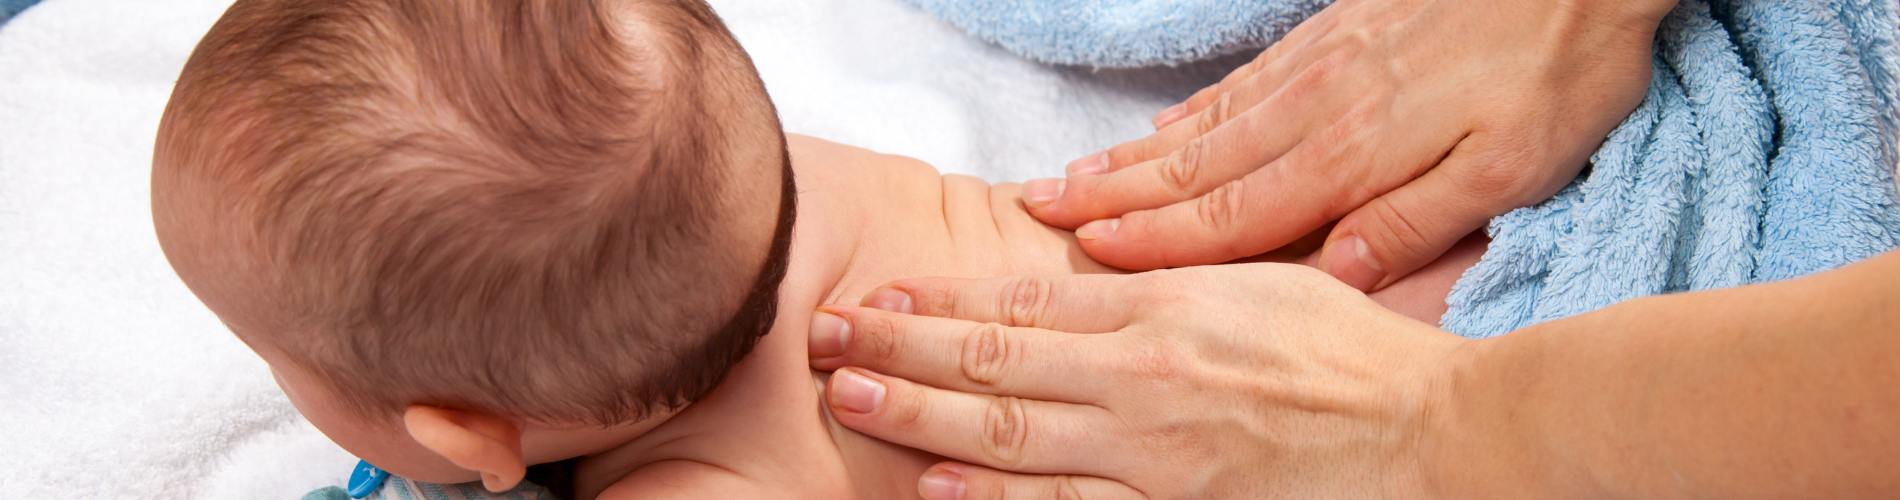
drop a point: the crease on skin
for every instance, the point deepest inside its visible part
(850, 261)
(628, 468)
(821, 381)
(943, 208)
(990, 200)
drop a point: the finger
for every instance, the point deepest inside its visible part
(985, 358)
(1084, 303)
(1339, 169)
(1201, 98)
(1411, 226)
(1295, 41)
(1217, 150)
(1023, 435)
(955, 481)
(1207, 111)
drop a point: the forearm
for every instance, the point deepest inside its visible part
(1785, 390)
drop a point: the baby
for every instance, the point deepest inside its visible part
(474, 236)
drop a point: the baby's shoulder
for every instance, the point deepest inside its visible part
(683, 479)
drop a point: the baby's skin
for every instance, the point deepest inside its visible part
(864, 219)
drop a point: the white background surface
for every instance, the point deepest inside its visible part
(116, 383)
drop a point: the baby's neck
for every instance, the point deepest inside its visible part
(880, 218)
(864, 219)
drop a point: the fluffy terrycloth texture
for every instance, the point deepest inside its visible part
(1764, 150)
(1125, 33)
(116, 383)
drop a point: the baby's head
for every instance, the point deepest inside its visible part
(449, 224)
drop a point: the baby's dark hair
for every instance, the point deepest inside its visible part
(549, 209)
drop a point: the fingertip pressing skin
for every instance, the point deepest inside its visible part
(855, 392)
(889, 299)
(830, 335)
(1351, 261)
(941, 482)
(1039, 193)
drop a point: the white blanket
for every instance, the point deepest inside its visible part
(116, 383)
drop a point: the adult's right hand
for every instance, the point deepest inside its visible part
(1213, 382)
(1410, 122)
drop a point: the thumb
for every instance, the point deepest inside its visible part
(1409, 227)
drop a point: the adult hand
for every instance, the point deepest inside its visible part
(1246, 381)
(1410, 122)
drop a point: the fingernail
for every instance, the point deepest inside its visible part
(829, 335)
(940, 484)
(1089, 165)
(855, 392)
(1041, 192)
(889, 300)
(1098, 229)
(1352, 262)
(1169, 115)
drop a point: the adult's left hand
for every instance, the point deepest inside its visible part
(1410, 123)
(1247, 381)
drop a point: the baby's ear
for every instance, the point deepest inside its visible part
(482, 443)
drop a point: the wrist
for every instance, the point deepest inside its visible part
(1641, 16)
(1489, 431)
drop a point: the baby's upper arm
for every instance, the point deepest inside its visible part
(683, 479)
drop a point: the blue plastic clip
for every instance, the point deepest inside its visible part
(366, 479)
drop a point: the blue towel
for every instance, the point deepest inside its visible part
(10, 8)
(1764, 151)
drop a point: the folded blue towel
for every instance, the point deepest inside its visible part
(1765, 148)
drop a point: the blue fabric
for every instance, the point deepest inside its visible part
(10, 8)
(396, 488)
(1764, 150)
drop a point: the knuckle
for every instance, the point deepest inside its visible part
(1266, 58)
(1026, 299)
(1316, 78)
(1005, 429)
(1215, 114)
(1219, 211)
(1064, 488)
(1361, 37)
(985, 353)
(1182, 169)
